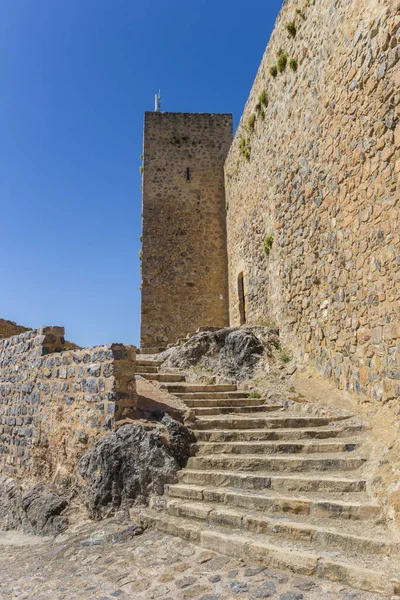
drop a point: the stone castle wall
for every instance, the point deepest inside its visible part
(54, 403)
(312, 184)
(184, 256)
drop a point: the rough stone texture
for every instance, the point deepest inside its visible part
(179, 440)
(11, 513)
(36, 511)
(323, 181)
(126, 467)
(184, 260)
(54, 403)
(10, 329)
(103, 562)
(229, 351)
(42, 508)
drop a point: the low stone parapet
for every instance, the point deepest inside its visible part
(54, 403)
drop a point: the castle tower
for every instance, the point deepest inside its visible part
(184, 256)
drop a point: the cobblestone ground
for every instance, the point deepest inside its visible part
(105, 561)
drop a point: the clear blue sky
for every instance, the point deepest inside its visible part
(76, 77)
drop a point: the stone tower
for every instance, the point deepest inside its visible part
(184, 256)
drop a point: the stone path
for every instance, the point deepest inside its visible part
(104, 561)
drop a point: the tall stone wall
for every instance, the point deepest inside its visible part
(54, 403)
(312, 184)
(184, 256)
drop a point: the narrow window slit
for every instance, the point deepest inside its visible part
(188, 174)
(242, 299)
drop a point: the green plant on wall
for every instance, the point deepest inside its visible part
(244, 148)
(282, 60)
(291, 29)
(293, 64)
(269, 240)
(273, 71)
(285, 356)
(262, 104)
(141, 169)
(262, 99)
(251, 123)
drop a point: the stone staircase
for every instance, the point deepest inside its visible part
(272, 485)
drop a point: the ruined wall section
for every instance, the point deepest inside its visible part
(184, 256)
(54, 403)
(317, 171)
(10, 328)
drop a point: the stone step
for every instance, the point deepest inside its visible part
(348, 537)
(194, 387)
(335, 536)
(272, 481)
(148, 362)
(210, 493)
(271, 422)
(254, 435)
(163, 377)
(272, 502)
(352, 571)
(211, 395)
(294, 464)
(142, 369)
(202, 411)
(224, 401)
(272, 447)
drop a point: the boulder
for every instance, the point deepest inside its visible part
(127, 466)
(229, 352)
(11, 513)
(43, 509)
(36, 511)
(179, 440)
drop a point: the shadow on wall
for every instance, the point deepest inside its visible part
(242, 299)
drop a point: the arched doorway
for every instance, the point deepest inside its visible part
(242, 299)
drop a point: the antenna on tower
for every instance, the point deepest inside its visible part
(157, 102)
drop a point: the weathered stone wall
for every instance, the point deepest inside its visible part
(55, 403)
(322, 180)
(184, 256)
(9, 328)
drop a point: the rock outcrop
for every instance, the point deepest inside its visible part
(43, 508)
(231, 352)
(37, 510)
(127, 466)
(11, 514)
(123, 469)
